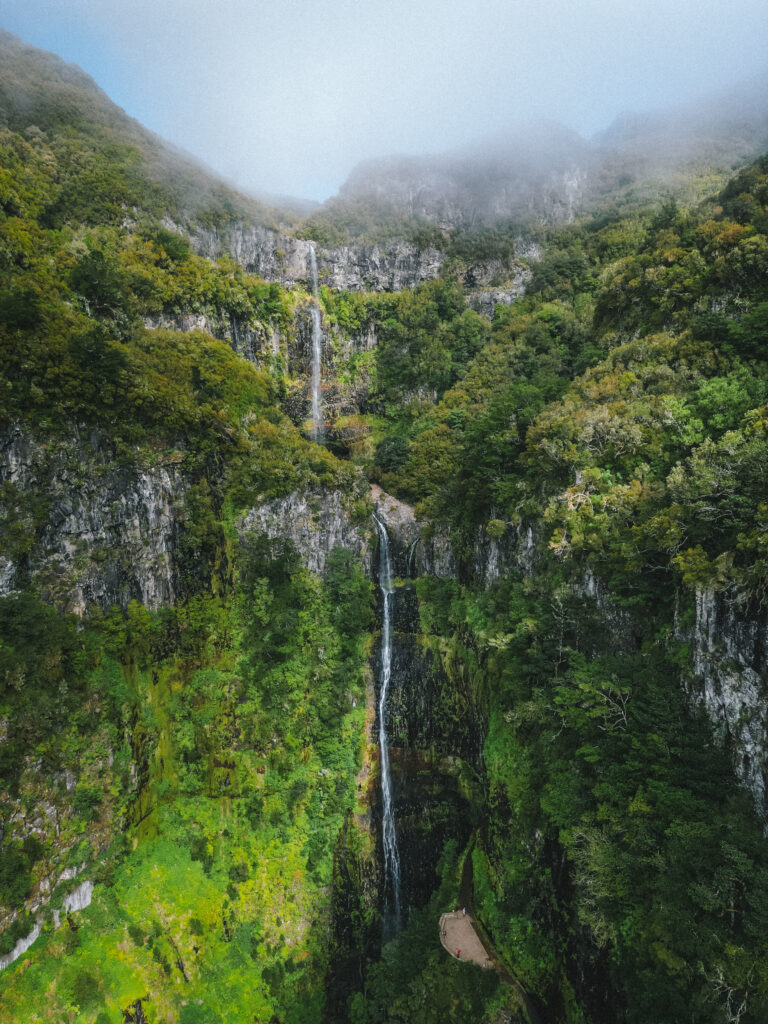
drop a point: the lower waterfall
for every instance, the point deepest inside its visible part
(389, 839)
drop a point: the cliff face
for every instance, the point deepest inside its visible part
(314, 523)
(724, 673)
(86, 529)
(382, 267)
(416, 551)
(277, 257)
(729, 647)
(251, 339)
(537, 177)
(46, 814)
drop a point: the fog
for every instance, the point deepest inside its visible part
(286, 97)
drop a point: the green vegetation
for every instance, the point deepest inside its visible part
(603, 441)
(241, 718)
(100, 166)
(619, 409)
(200, 760)
(415, 980)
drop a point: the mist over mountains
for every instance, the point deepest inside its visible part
(542, 173)
(546, 173)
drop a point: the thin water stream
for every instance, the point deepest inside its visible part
(317, 348)
(389, 839)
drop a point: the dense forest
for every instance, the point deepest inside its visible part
(574, 486)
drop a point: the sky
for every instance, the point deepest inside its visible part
(285, 97)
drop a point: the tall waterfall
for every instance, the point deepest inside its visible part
(317, 348)
(389, 840)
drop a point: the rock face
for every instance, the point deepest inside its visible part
(540, 175)
(493, 557)
(314, 523)
(22, 945)
(77, 900)
(413, 553)
(730, 647)
(427, 550)
(486, 300)
(259, 250)
(384, 267)
(95, 532)
(378, 268)
(726, 674)
(276, 257)
(253, 340)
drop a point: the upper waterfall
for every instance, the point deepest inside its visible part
(317, 348)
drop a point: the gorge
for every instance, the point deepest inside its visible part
(360, 567)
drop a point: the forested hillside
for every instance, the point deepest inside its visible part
(562, 429)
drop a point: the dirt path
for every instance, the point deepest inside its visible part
(457, 933)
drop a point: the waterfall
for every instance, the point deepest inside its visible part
(317, 347)
(389, 840)
(411, 553)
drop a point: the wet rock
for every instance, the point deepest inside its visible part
(729, 645)
(105, 533)
(315, 523)
(418, 549)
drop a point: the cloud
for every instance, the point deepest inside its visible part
(288, 97)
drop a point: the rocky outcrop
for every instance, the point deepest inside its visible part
(22, 945)
(95, 531)
(259, 250)
(486, 300)
(729, 649)
(383, 267)
(315, 523)
(541, 175)
(253, 340)
(77, 900)
(495, 556)
(418, 549)
(378, 268)
(276, 257)
(428, 549)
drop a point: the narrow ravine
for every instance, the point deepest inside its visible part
(388, 836)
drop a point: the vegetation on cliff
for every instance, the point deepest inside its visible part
(618, 410)
(597, 453)
(196, 762)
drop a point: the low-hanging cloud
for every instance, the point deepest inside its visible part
(286, 98)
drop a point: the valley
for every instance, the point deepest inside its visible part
(359, 566)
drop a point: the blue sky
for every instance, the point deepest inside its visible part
(285, 97)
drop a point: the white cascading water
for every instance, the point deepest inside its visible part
(317, 347)
(389, 839)
(411, 553)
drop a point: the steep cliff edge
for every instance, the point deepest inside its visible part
(84, 529)
(315, 524)
(729, 644)
(281, 258)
